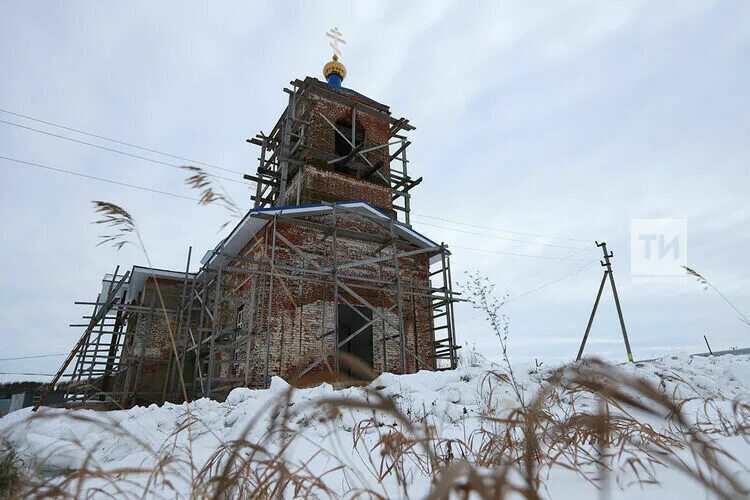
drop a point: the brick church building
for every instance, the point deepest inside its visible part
(324, 279)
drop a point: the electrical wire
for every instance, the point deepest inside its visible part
(534, 290)
(540, 271)
(417, 214)
(102, 179)
(176, 195)
(151, 150)
(35, 357)
(27, 373)
(500, 252)
(112, 150)
(110, 181)
(119, 142)
(506, 238)
(577, 271)
(568, 258)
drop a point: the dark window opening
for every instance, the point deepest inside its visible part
(361, 345)
(344, 146)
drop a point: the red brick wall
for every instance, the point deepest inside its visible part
(320, 181)
(149, 342)
(303, 313)
(320, 135)
(320, 185)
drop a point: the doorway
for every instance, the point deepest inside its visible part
(361, 345)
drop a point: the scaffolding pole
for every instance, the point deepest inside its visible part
(376, 273)
(286, 149)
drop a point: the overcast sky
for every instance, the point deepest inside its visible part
(567, 121)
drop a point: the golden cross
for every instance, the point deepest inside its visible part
(336, 37)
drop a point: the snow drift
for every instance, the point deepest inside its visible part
(399, 435)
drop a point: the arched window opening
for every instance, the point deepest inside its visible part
(343, 147)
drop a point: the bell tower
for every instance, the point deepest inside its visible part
(324, 280)
(333, 144)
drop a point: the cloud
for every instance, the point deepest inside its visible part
(566, 120)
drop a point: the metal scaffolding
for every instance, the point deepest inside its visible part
(287, 148)
(98, 352)
(215, 347)
(215, 354)
(226, 319)
(111, 353)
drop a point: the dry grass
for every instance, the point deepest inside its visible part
(124, 226)
(119, 220)
(591, 419)
(211, 192)
(11, 479)
(707, 284)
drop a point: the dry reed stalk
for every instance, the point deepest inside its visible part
(510, 453)
(204, 182)
(588, 418)
(707, 284)
(114, 216)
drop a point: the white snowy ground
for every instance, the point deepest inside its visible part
(453, 402)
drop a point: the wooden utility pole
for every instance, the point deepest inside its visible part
(607, 265)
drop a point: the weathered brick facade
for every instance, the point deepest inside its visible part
(300, 318)
(302, 313)
(271, 306)
(316, 179)
(148, 346)
(320, 184)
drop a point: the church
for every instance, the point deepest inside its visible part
(324, 279)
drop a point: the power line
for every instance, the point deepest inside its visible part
(35, 357)
(143, 148)
(500, 252)
(110, 149)
(102, 179)
(540, 271)
(27, 373)
(506, 238)
(119, 142)
(577, 271)
(110, 181)
(569, 275)
(512, 299)
(500, 230)
(151, 150)
(176, 195)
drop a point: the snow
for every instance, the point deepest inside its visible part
(455, 403)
